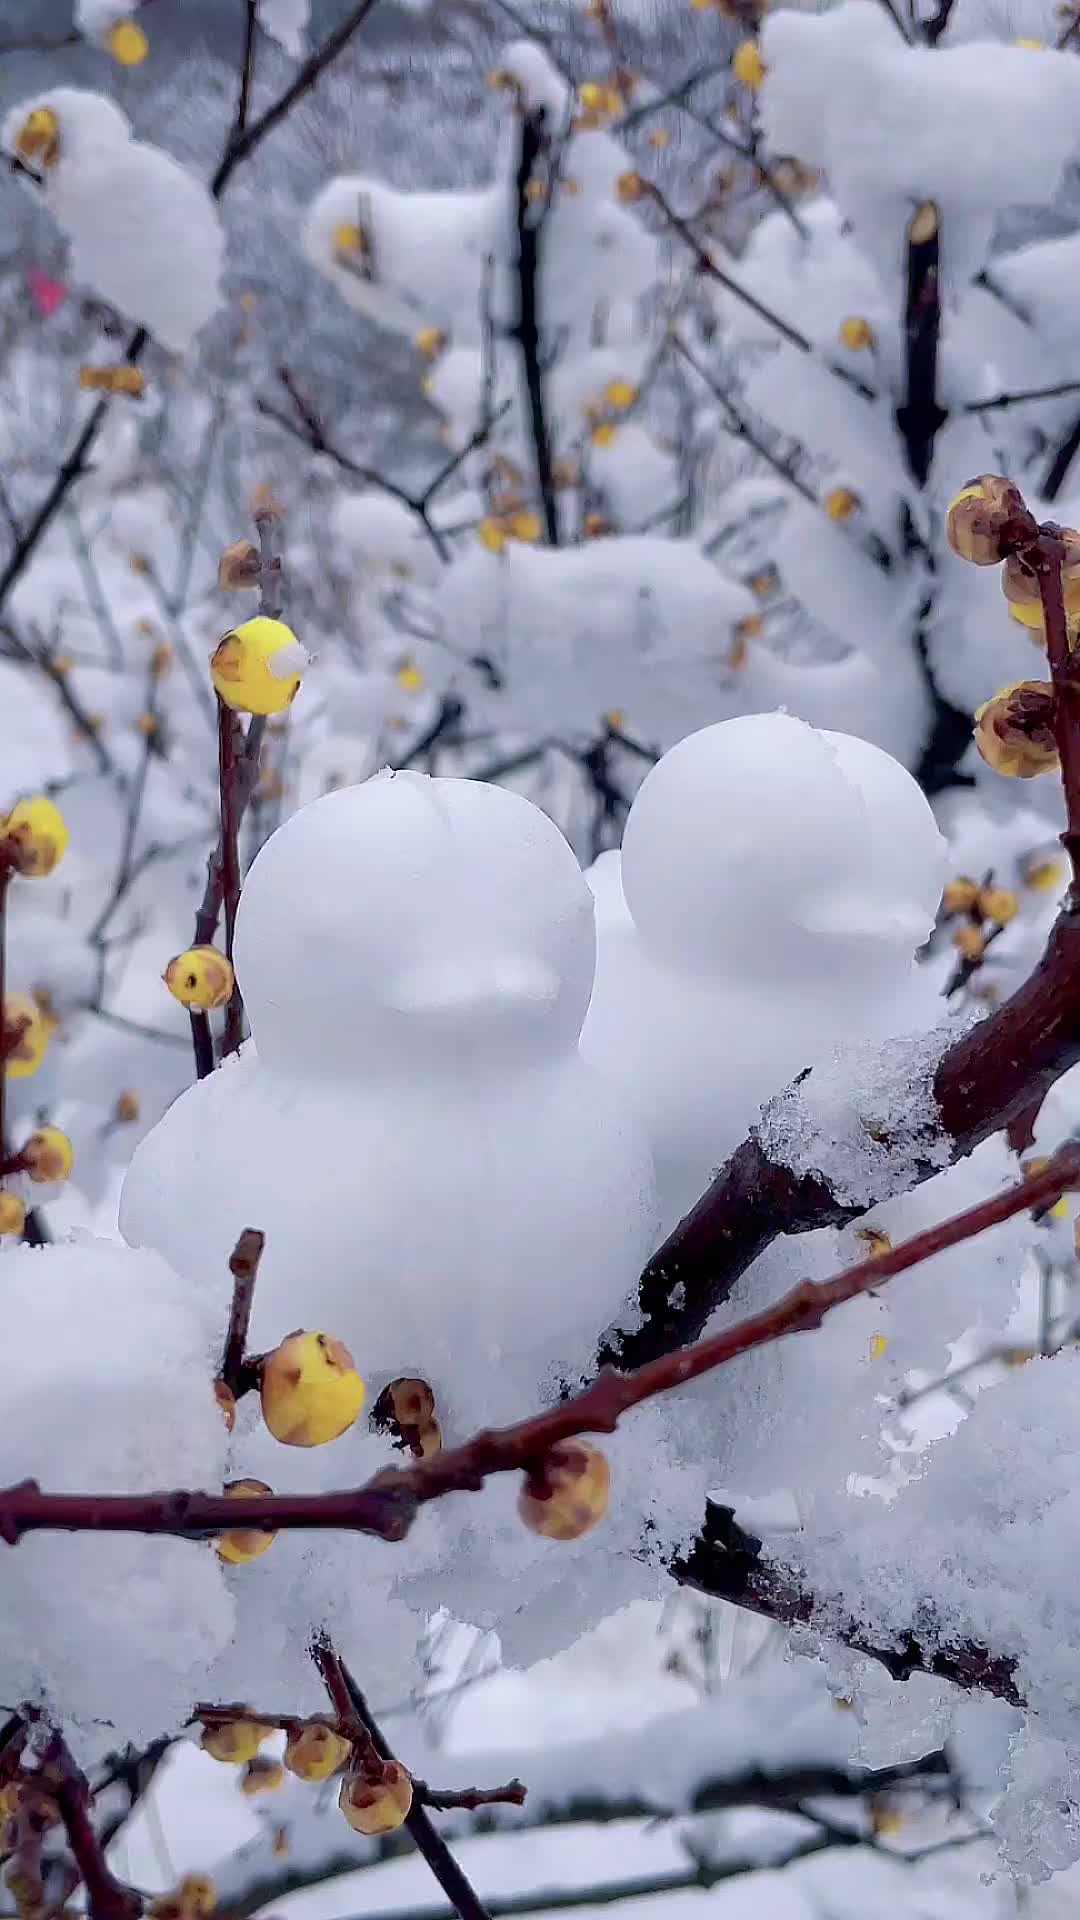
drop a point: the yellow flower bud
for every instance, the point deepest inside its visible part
(410, 679)
(841, 503)
(257, 667)
(748, 66)
(492, 535)
(604, 434)
(234, 1741)
(1044, 876)
(262, 1776)
(197, 1894)
(311, 1392)
(960, 895)
(49, 1155)
(987, 520)
(999, 904)
(526, 526)
(200, 977)
(350, 239)
(377, 1806)
(38, 140)
(431, 341)
(241, 1545)
(878, 1345)
(970, 942)
(25, 1036)
(128, 43)
(857, 334)
(12, 1214)
(621, 394)
(127, 1107)
(568, 1494)
(239, 567)
(315, 1752)
(34, 837)
(1014, 731)
(629, 187)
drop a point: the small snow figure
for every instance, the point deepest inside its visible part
(440, 1177)
(776, 881)
(145, 234)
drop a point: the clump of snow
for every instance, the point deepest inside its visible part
(286, 21)
(107, 1388)
(976, 1549)
(866, 1120)
(144, 233)
(96, 17)
(935, 132)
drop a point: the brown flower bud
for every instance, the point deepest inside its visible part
(568, 1493)
(988, 519)
(238, 568)
(412, 1401)
(1014, 731)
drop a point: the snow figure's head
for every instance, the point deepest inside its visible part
(766, 847)
(415, 923)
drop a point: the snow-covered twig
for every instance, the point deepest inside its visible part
(650, 191)
(243, 142)
(727, 1563)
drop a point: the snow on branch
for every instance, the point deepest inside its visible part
(388, 1504)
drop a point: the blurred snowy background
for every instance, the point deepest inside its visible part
(794, 283)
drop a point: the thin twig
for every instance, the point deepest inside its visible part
(228, 798)
(707, 265)
(421, 1829)
(526, 329)
(244, 1267)
(244, 142)
(107, 1898)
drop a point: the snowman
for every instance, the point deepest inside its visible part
(773, 885)
(443, 1181)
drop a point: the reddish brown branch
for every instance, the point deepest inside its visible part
(984, 1080)
(244, 1267)
(388, 1503)
(1045, 556)
(107, 1898)
(513, 1794)
(726, 1562)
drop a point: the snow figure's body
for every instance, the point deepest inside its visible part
(775, 883)
(443, 1182)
